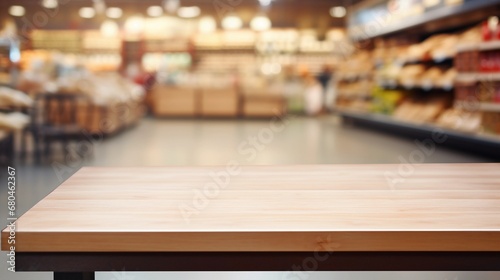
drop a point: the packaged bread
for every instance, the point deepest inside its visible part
(14, 98)
(13, 121)
(410, 75)
(458, 119)
(422, 51)
(431, 77)
(471, 36)
(447, 80)
(446, 48)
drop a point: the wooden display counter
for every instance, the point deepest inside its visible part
(174, 101)
(263, 104)
(215, 102)
(219, 102)
(270, 218)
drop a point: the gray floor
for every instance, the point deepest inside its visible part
(299, 140)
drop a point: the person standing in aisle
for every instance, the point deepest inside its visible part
(313, 95)
(324, 79)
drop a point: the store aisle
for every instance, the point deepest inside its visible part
(295, 140)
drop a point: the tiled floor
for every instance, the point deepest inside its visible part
(296, 140)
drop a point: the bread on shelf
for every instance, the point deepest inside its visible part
(13, 121)
(14, 98)
(410, 75)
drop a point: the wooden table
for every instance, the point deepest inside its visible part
(265, 218)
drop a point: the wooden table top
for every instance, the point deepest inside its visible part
(432, 207)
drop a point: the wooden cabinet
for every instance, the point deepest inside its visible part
(219, 102)
(174, 101)
(263, 104)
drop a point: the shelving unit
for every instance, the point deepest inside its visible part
(415, 107)
(414, 16)
(488, 145)
(478, 77)
(480, 106)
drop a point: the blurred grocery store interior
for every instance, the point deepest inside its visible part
(201, 82)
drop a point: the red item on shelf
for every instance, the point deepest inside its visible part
(489, 62)
(486, 31)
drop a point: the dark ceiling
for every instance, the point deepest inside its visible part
(283, 13)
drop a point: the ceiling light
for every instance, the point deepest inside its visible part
(260, 23)
(265, 2)
(232, 22)
(155, 11)
(171, 6)
(207, 24)
(50, 4)
(338, 12)
(86, 12)
(17, 11)
(109, 28)
(188, 12)
(114, 12)
(134, 25)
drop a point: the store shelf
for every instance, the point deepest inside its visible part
(431, 60)
(484, 144)
(354, 76)
(483, 46)
(392, 85)
(478, 77)
(411, 21)
(489, 46)
(481, 106)
(355, 95)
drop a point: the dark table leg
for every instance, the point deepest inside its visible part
(74, 276)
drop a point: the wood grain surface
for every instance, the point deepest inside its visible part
(432, 207)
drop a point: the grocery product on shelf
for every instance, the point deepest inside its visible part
(460, 120)
(425, 110)
(410, 75)
(11, 98)
(14, 121)
(491, 122)
(431, 77)
(447, 79)
(386, 101)
(354, 80)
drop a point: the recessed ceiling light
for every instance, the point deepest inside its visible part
(338, 12)
(232, 22)
(265, 2)
(188, 12)
(207, 24)
(155, 11)
(86, 12)
(50, 4)
(134, 25)
(260, 23)
(17, 11)
(109, 28)
(114, 12)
